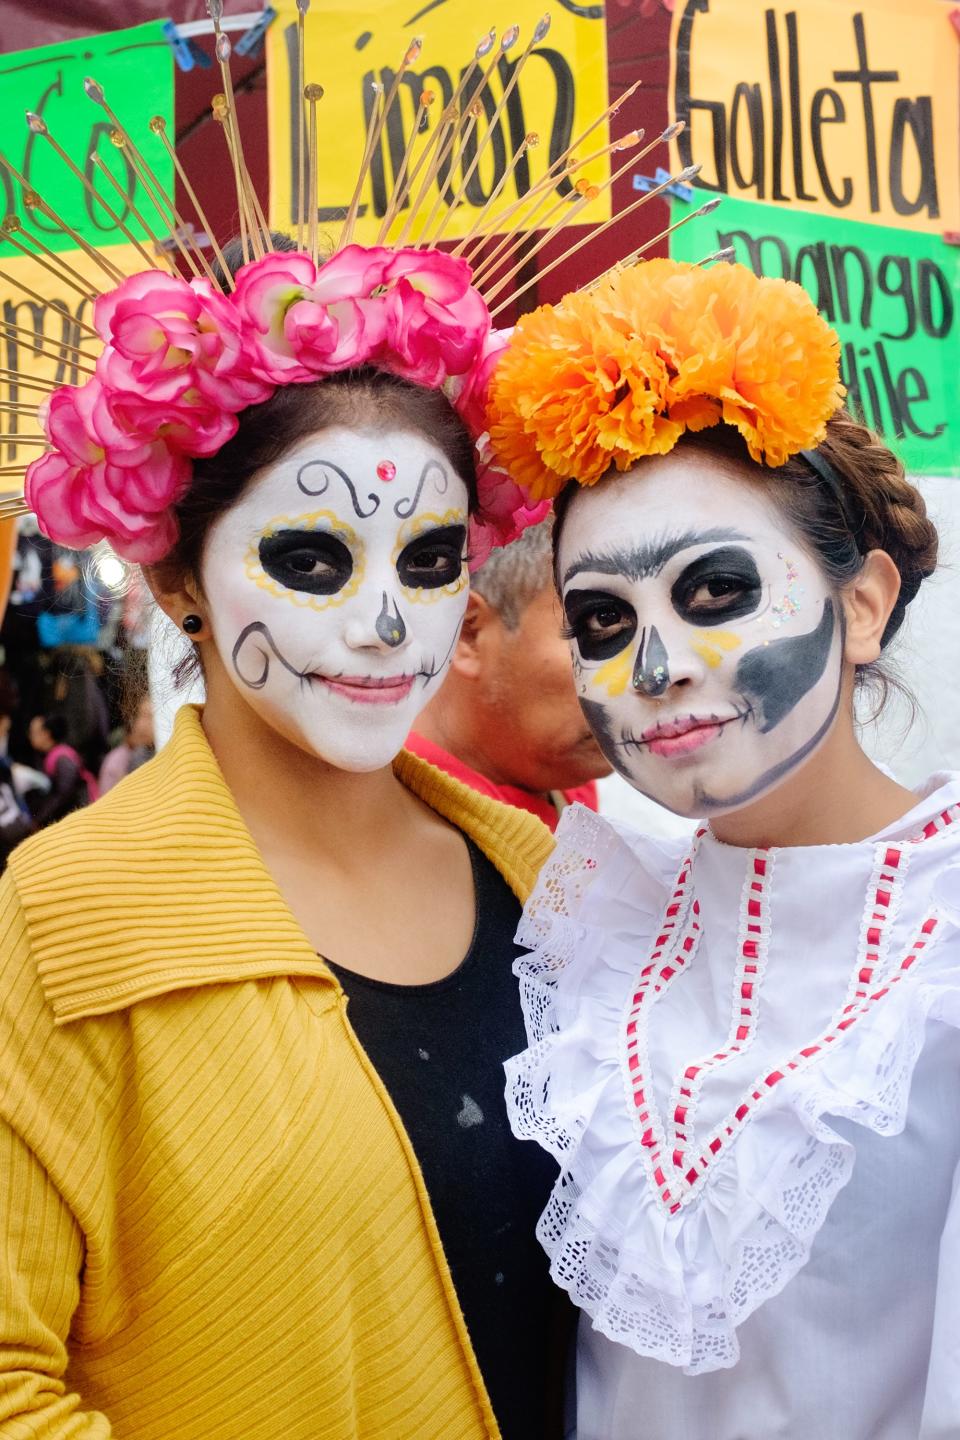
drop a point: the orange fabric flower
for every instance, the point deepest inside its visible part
(609, 376)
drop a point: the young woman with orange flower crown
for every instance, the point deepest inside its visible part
(744, 1049)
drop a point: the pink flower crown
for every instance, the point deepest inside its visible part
(182, 360)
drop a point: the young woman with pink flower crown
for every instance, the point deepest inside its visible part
(256, 1177)
(744, 1048)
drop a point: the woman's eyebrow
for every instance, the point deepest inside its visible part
(643, 561)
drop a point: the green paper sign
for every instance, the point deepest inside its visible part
(893, 297)
(134, 68)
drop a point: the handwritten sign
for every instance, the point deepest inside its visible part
(841, 107)
(49, 328)
(562, 87)
(135, 70)
(892, 296)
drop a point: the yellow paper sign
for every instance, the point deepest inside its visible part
(831, 106)
(50, 343)
(350, 47)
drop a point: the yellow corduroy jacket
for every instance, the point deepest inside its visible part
(213, 1223)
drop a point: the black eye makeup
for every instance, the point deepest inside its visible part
(601, 624)
(433, 559)
(717, 588)
(309, 560)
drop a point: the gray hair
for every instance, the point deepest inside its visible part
(515, 575)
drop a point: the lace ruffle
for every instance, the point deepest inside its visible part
(676, 1286)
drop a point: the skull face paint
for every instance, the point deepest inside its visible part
(707, 644)
(336, 588)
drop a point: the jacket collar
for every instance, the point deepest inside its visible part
(159, 885)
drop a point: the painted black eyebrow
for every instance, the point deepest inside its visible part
(645, 561)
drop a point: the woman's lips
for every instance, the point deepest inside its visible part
(683, 736)
(367, 690)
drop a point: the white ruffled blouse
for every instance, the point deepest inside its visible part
(747, 1063)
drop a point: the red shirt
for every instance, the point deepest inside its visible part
(539, 805)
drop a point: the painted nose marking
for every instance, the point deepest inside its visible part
(390, 628)
(651, 674)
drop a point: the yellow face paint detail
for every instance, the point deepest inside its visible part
(614, 676)
(712, 644)
(430, 520)
(301, 598)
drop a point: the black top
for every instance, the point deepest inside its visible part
(439, 1050)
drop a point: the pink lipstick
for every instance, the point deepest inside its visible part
(370, 690)
(684, 735)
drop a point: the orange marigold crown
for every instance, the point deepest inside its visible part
(621, 371)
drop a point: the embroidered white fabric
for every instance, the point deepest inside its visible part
(673, 1281)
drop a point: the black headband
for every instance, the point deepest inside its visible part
(821, 467)
(909, 584)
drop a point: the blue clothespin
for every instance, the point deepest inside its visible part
(251, 40)
(650, 182)
(186, 51)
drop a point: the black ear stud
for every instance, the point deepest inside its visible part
(192, 624)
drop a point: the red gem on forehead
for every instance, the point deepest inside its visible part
(386, 470)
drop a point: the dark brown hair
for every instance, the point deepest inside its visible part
(876, 509)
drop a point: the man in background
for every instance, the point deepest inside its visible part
(506, 721)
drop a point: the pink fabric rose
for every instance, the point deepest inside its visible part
(468, 393)
(101, 481)
(504, 510)
(165, 336)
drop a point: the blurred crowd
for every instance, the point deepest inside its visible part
(75, 714)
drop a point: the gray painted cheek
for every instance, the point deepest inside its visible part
(774, 678)
(598, 719)
(390, 628)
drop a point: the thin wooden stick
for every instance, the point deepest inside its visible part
(447, 117)
(34, 440)
(398, 194)
(373, 131)
(7, 327)
(32, 382)
(512, 241)
(438, 148)
(453, 153)
(375, 135)
(529, 142)
(501, 105)
(635, 255)
(219, 107)
(45, 300)
(245, 192)
(682, 179)
(456, 152)
(588, 193)
(12, 407)
(73, 278)
(33, 201)
(159, 127)
(561, 165)
(148, 177)
(302, 8)
(104, 170)
(313, 94)
(38, 126)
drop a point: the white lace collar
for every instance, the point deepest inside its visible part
(684, 1094)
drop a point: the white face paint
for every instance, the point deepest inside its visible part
(707, 645)
(336, 589)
